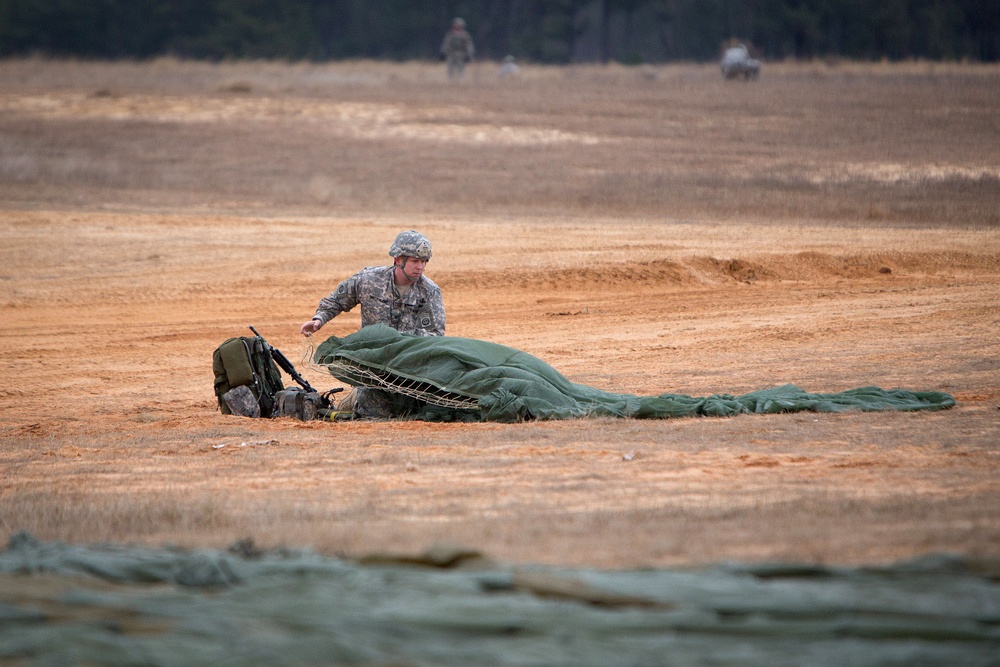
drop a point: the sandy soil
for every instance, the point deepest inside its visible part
(108, 426)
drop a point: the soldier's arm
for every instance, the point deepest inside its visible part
(339, 301)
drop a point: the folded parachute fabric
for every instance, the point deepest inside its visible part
(468, 379)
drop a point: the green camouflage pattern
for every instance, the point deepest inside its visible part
(419, 313)
(241, 402)
(411, 244)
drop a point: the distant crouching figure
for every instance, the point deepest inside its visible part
(736, 62)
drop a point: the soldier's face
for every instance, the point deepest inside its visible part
(411, 267)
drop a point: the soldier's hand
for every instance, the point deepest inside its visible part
(310, 327)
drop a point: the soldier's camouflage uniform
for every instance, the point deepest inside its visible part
(457, 49)
(420, 312)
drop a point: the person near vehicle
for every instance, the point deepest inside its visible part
(400, 296)
(457, 49)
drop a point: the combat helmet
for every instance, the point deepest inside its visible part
(411, 244)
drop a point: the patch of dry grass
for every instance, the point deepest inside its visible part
(849, 143)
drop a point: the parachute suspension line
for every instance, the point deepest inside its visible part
(308, 353)
(359, 375)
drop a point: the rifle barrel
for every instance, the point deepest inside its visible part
(279, 358)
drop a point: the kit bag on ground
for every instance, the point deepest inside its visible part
(298, 403)
(246, 378)
(306, 404)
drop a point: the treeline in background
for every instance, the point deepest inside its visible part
(553, 31)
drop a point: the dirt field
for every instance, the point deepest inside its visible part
(642, 230)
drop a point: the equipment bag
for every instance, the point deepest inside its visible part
(246, 377)
(298, 403)
(304, 404)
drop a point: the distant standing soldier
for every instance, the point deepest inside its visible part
(457, 49)
(400, 296)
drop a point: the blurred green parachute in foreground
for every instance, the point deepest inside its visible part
(127, 605)
(471, 380)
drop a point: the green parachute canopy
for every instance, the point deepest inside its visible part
(464, 378)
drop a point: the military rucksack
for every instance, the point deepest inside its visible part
(246, 377)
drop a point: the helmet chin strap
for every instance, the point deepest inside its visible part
(402, 269)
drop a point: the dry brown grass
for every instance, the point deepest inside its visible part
(906, 144)
(826, 226)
